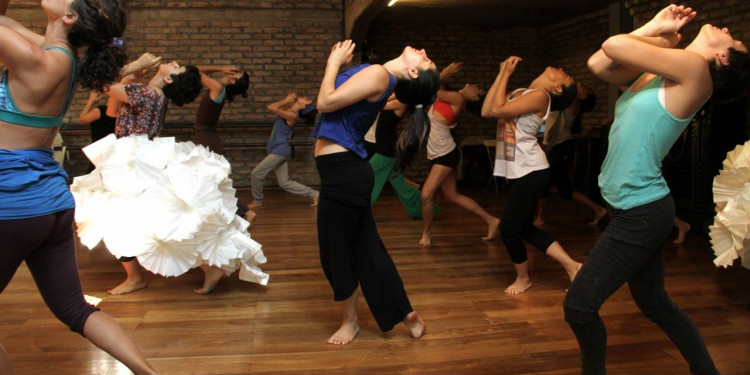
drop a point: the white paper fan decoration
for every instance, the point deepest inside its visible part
(730, 236)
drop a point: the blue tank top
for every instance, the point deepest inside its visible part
(278, 143)
(11, 114)
(347, 126)
(640, 138)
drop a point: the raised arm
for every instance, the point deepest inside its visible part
(369, 83)
(281, 109)
(11, 24)
(89, 114)
(211, 69)
(497, 99)
(144, 62)
(661, 31)
(451, 70)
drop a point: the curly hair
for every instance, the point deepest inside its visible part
(185, 86)
(99, 23)
(730, 81)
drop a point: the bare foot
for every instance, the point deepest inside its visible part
(416, 325)
(519, 286)
(426, 240)
(128, 286)
(573, 271)
(316, 199)
(346, 333)
(253, 205)
(212, 275)
(492, 230)
(250, 216)
(682, 229)
(538, 222)
(599, 214)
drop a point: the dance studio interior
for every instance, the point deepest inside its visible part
(230, 269)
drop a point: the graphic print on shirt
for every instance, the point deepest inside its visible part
(506, 140)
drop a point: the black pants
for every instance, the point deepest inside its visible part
(517, 224)
(46, 244)
(560, 159)
(351, 252)
(630, 250)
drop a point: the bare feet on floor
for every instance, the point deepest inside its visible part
(416, 325)
(519, 286)
(254, 205)
(493, 230)
(599, 214)
(682, 229)
(573, 271)
(316, 199)
(128, 286)
(346, 333)
(211, 275)
(426, 240)
(250, 216)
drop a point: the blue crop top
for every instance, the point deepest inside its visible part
(347, 126)
(11, 114)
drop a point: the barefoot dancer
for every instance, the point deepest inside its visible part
(142, 111)
(289, 110)
(664, 88)
(522, 162)
(351, 252)
(220, 91)
(444, 156)
(36, 206)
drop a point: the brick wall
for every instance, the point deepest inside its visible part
(283, 44)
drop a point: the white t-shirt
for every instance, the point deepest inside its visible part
(518, 153)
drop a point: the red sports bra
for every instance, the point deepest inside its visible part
(445, 109)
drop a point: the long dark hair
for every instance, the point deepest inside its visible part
(418, 94)
(99, 26)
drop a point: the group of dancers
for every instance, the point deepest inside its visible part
(661, 94)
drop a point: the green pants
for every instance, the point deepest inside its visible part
(410, 197)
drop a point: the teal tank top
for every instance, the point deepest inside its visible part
(640, 138)
(11, 114)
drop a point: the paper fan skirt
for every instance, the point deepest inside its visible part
(730, 234)
(169, 204)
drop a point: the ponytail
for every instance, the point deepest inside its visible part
(99, 25)
(417, 93)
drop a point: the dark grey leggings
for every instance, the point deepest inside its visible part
(630, 250)
(46, 244)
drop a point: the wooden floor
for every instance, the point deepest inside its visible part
(456, 285)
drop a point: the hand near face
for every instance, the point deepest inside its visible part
(148, 61)
(341, 53)
(508, 66)
(672, 18)
(292, 97)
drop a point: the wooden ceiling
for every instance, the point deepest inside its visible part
(495, 14)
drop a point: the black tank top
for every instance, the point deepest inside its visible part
(104, 126)
(385, 133)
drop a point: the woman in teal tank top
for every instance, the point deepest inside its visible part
(36, 207)
(663, 89)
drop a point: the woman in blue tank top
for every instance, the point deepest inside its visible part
(351, 252)
(664, 88)
(36, 207)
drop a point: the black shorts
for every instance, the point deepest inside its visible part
(449, 160)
